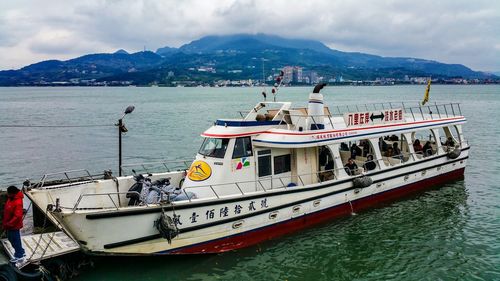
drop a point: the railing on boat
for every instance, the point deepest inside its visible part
(108, 194)
(150, 167)
(443, 110)
(412, 112)
(275, 183)
(321, 176)
(284, 181)
(258, 185)
(66, 177)
(75, 177)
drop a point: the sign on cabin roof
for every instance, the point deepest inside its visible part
(370, 118)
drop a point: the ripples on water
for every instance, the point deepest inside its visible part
(447, 233)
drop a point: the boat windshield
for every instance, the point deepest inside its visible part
(213, 147)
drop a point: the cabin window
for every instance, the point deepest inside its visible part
(282, 164)
(326, 164)
(424, 143)
(448, 138)
(242, 148)
(362, 154)
(264, 162)
(325, 158)
(394, 149)
(214, 147)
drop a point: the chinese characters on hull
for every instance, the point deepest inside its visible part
(211, 214)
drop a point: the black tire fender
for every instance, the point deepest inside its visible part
(362, 182)
(453, 154)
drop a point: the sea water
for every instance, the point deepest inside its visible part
(446, 233)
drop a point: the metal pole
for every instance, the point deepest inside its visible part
(412, 114)
(120, 124)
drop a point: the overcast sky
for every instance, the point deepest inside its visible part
(453, 31)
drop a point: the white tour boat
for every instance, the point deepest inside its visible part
(276, 170)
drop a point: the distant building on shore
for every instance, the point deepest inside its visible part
(310, 77)
(297, 75)
(292, 74)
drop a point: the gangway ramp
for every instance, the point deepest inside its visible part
(43, 246)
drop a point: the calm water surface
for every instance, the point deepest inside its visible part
(449, 233)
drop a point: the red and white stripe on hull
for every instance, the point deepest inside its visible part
(255, 236)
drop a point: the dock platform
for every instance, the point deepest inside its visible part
(43, 246)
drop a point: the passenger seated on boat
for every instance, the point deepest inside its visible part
(355, 151)
(449, 142)
(417, 146)
(382, 145)
(350, 167)
(369, 164)
(393, 138)
(389, 152)
(323, 156)
(396, 151)
(344, 147)
(366, 148)
(427, 149)
(328, 173)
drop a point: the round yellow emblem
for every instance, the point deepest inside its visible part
(199, 171)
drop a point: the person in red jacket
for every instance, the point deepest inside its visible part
(13, 221)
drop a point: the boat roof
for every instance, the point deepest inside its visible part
(290, 127)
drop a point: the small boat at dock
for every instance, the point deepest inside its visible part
(275, 170)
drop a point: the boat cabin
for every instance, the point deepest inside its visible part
(276, 145)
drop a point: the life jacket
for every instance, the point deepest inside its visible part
(13, 212)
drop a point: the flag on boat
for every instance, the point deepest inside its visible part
(426, 95)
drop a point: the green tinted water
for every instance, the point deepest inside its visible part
(450, 233)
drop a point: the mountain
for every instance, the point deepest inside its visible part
(316, 53)
(239, 56)
(86, 67)
(243, 42)
(121, 51)
(166, 51)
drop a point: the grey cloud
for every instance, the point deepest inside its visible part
(465, 32)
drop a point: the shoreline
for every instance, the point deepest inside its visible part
(254, 86)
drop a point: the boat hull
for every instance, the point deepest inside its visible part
(132, 231)
(270, 232)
